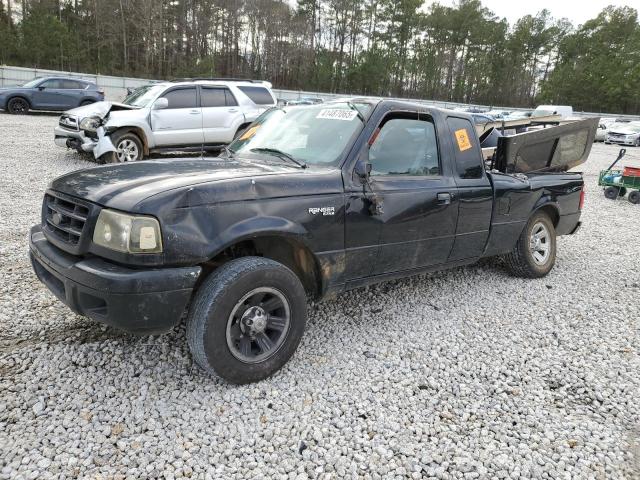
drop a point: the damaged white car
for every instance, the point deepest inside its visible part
(191, 114)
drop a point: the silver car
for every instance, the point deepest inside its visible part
(624, 134)
(181, 115)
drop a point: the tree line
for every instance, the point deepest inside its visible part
(404, 48)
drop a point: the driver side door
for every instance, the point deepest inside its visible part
(414, 225)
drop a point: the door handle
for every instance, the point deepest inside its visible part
(232, 110)
(195, 112)
(444, 198)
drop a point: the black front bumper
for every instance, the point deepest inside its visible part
(139, 301)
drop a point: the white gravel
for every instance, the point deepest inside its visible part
(463, 374)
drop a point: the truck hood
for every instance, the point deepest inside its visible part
(623, 131)
(124, 186)
(98, 109)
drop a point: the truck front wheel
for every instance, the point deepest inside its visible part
(535, 252)
(128, 149)
(247, 319)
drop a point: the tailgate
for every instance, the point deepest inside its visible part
(555, 149)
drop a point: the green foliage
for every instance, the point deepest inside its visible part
(409, 48)
(598, 68)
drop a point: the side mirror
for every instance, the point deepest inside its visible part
(41, 88)
(160, 103)
(363, 170)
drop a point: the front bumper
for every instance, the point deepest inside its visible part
(139, 301)
(77, 139)
(620, 141)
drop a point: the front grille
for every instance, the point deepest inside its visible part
(70, 122)
(617, 135)
(64, 218)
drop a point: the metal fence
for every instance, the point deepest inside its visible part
(115, 89)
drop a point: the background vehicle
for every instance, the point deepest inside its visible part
(603, 128)
(49, 93)
(624, 134)
(179, 115)
(317, 199)
(565, 111)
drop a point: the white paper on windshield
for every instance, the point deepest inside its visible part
(337, 114)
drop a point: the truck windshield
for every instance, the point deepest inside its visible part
(315, 134)
(143, 96)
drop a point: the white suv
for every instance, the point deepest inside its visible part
(180, 115)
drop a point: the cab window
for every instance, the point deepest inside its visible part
(405, 146)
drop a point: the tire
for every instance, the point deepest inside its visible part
(622, 192)
(527, 260)
(128, 141)
(220, 321)
(612, 193)
(18, 106)
(634, 197)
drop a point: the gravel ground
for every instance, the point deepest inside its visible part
(467, 374)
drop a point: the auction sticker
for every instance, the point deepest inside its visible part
(463, 139)
(337, 114)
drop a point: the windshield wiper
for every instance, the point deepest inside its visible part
(279, 153)
(353, 107)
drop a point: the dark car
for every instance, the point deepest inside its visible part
(311, 200)
(49, 93)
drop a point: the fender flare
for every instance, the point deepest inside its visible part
(549, 205)
(256, 227)
(18, 95)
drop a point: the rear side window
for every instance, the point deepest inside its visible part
(73, 85)
(182, 98)
(258, 95)
(54, 83)
(217, 97)
(468, 158)
(212, 97)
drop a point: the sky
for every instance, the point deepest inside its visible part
(576, 11)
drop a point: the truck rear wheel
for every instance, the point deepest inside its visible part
(634, 197)
(247, 319)
(535, 252)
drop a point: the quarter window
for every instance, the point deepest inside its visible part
(468, 157)
(405, 146)
(182, 98)
(258, 95)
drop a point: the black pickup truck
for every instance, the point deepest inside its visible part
(309, 201)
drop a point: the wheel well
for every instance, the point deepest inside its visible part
(552, 212)
(21, 97)
(291, 253)
(139, 133)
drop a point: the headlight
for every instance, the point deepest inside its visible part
(90, 123)
(127, 233)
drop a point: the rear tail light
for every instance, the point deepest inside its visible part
(101, 91)
(581, 198)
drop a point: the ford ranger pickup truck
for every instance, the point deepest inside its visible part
(308, 201)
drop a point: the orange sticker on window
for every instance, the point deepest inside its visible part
(463, 139)
(249, 133)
